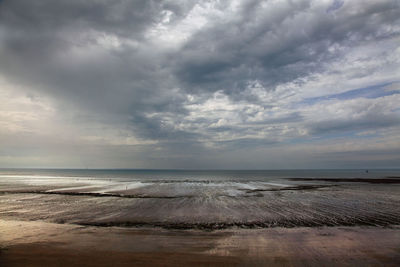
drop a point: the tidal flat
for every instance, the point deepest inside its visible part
(287, 221)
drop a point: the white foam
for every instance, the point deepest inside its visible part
(276, 184)
(123, 186)
(62, 182)
(73, 188)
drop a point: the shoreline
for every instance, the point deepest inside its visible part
(37, 243)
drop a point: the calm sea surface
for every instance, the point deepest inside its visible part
(195, 175)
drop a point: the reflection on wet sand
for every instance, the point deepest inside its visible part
(47, 244)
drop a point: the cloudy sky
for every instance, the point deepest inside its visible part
(200, 84)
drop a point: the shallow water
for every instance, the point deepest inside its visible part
(200, 199)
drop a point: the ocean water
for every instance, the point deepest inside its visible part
(198, 175)
(107, 180)
(114, 179)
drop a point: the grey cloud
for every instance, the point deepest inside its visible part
(118, 83)
(286, 43)
(368, 122)
(155, 129)
(117, 17)
(292, 117)
(97, 61)
(335, 6)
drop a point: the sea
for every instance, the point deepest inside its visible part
(129, 178)
(126, 175)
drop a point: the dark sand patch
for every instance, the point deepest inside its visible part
(288, 188)
(80, 193)
(391, 180)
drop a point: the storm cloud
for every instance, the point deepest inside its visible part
(199, 84)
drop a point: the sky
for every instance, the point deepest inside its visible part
(200, 84)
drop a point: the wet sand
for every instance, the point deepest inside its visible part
(49, 244)
(305, 222)
(209, 207)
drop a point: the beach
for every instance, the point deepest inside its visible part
(48, 244)
(94, 220)
(199, 133)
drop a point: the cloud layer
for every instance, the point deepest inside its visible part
(199, 84)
